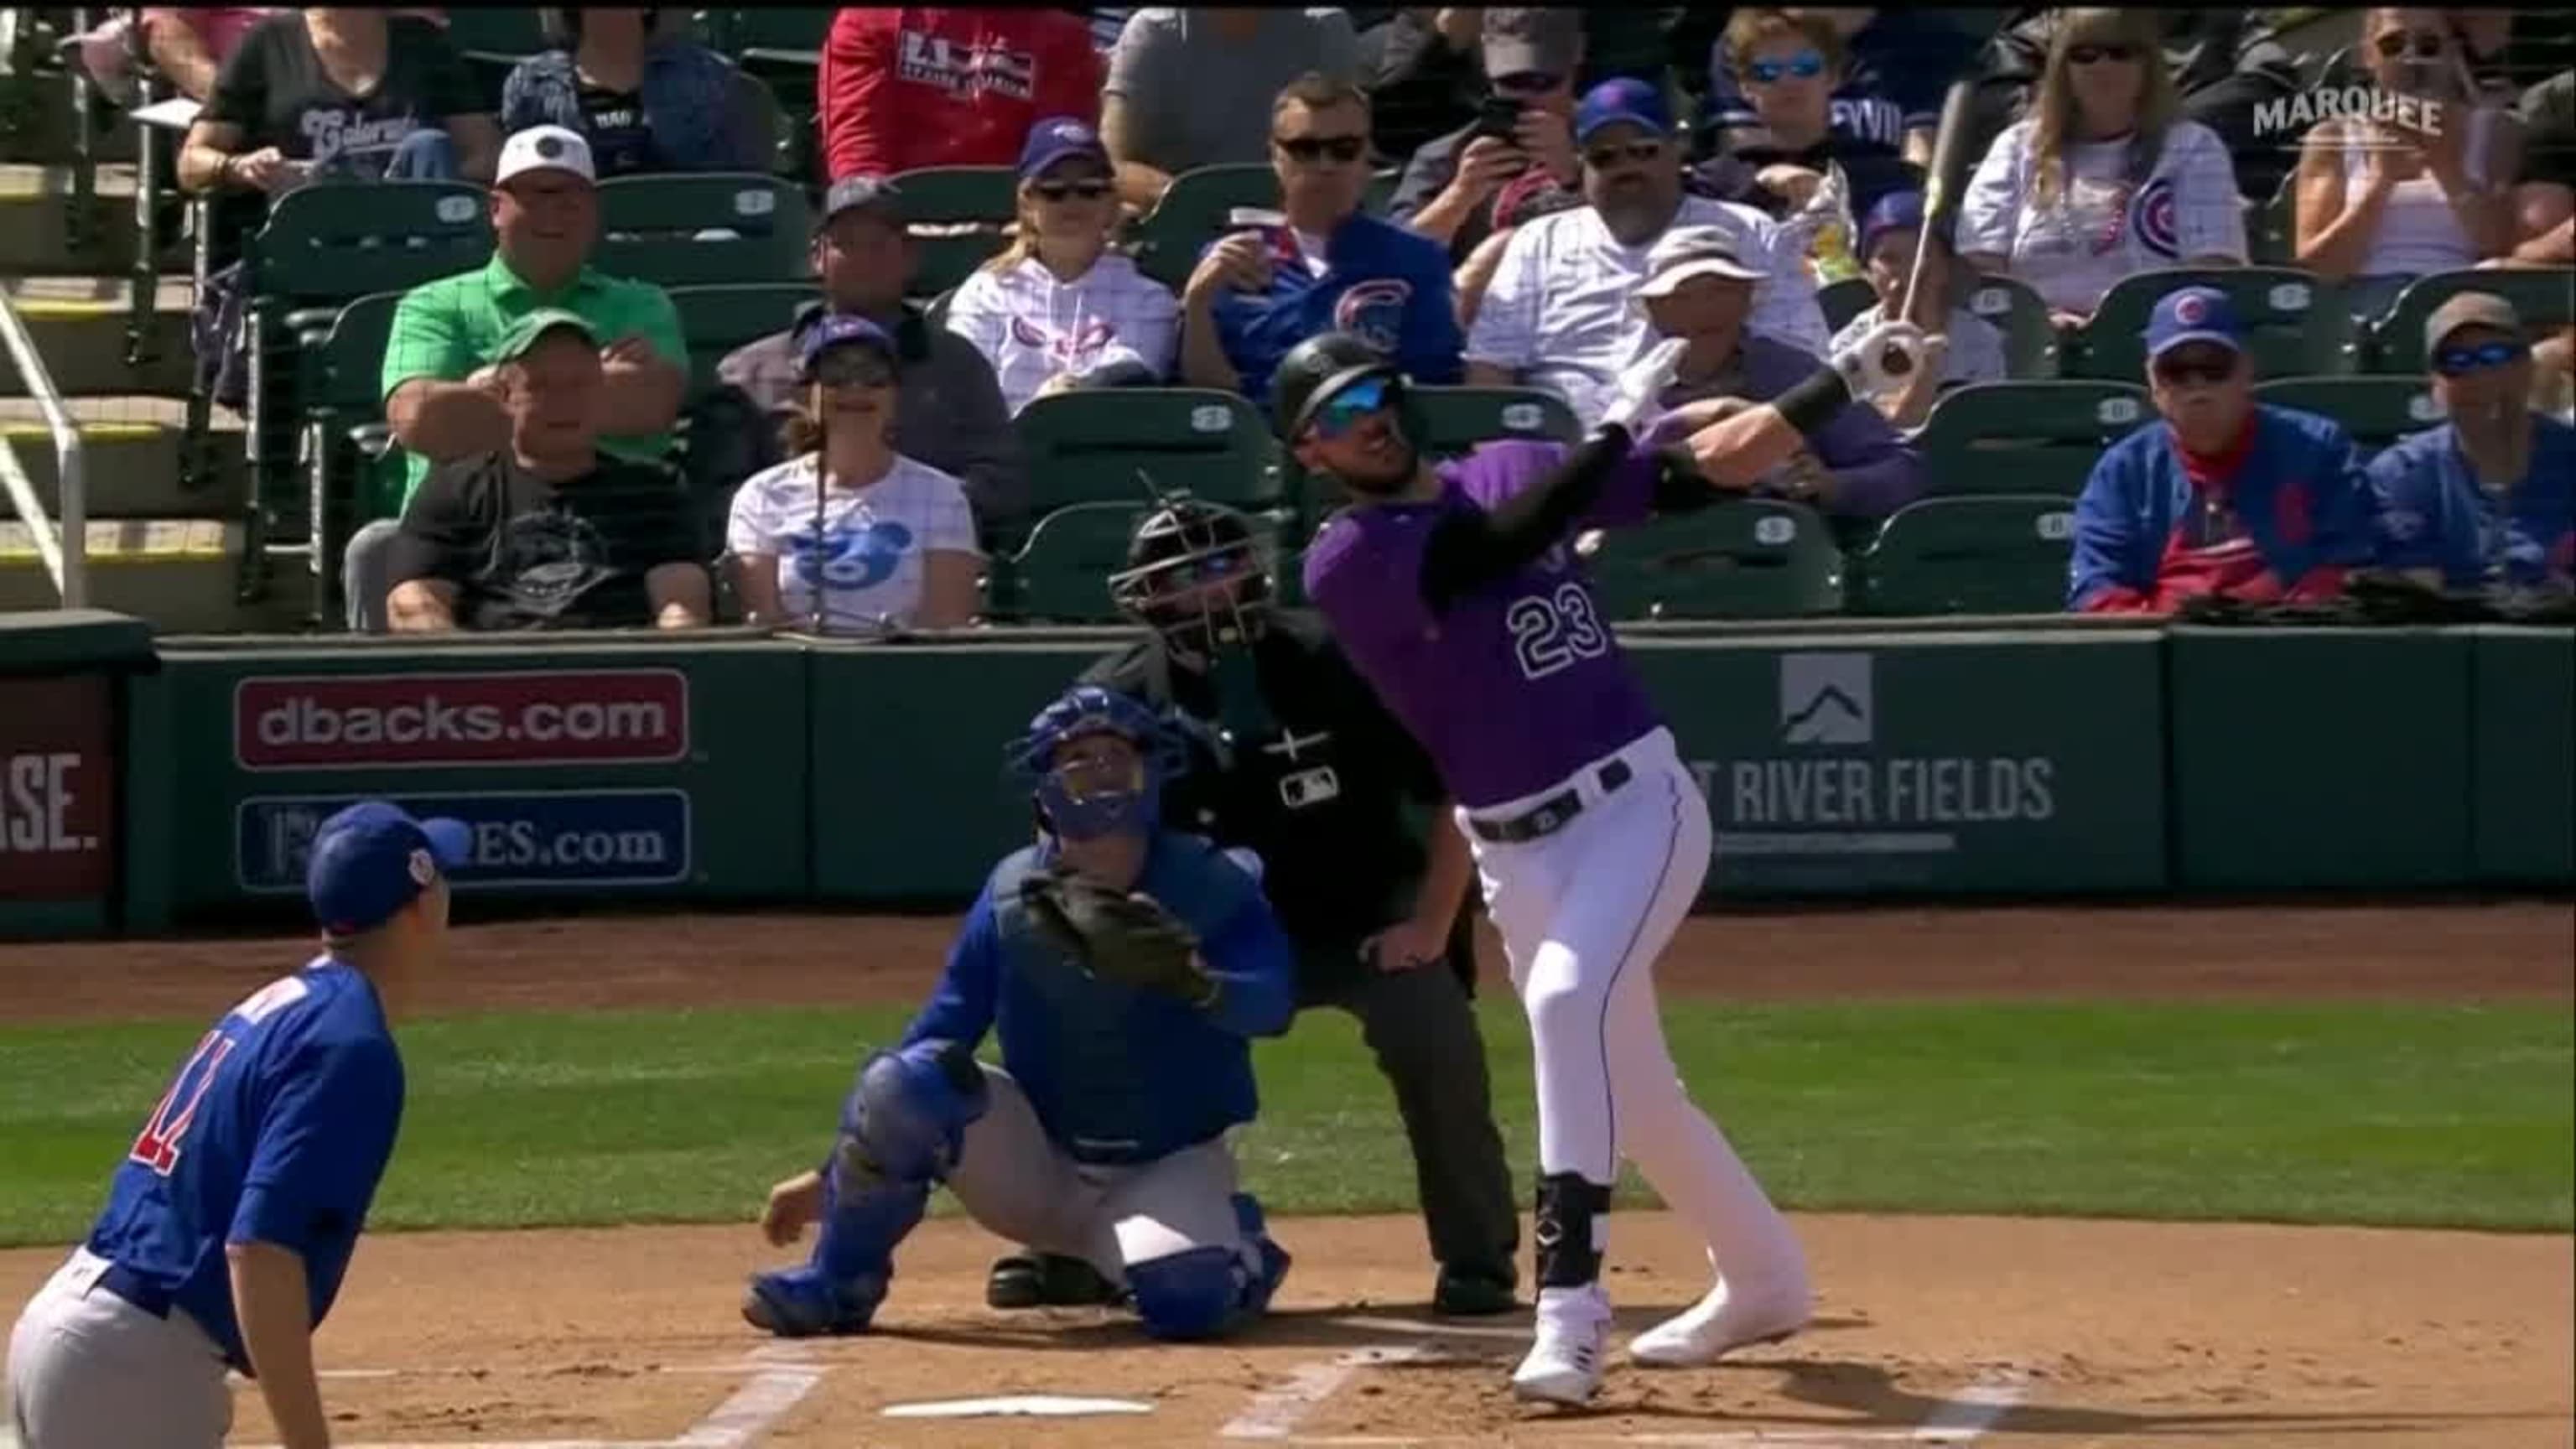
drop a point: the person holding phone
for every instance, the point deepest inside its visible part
(1516, 161)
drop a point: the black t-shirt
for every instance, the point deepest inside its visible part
(621, 143)
(528, 554)
(1314, 779)
(274, 88)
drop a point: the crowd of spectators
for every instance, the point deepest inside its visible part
(1569, 189)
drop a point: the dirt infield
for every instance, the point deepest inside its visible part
(1935, 1330)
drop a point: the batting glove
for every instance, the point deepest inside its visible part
(1638, 393)
(1884, 359)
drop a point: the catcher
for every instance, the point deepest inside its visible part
(1123, 968)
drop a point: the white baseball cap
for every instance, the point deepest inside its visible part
(1694, 251)
(545, 148)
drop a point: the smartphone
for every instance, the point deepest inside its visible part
(1499, 117)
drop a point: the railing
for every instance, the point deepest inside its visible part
(64, 549)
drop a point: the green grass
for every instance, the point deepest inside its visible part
(2410, 1115)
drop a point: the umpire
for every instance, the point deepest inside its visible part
(1293, 757)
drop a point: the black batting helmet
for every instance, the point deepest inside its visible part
(1198, 573)
(1317, 368)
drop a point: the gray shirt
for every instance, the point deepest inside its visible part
(1195, 99)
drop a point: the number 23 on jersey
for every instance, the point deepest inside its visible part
(1555, 631)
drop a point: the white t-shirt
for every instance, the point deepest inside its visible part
(1558, 312)
(2101, 229)
(874, 538)
(1031, 326)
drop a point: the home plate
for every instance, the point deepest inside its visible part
(1034, 1406)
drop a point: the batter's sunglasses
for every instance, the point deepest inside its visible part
(1346, 409)
(1311, 149)
(1805, 65)
(2486, 356)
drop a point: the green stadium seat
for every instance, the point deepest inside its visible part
(493, 42)
(2296, 322)
(1844, 300)
(2026, 437)
(2545, 296)
(1088, 447)
(717, 319)
(1455, 419)
(1193, 213)
(1750, 558)
(782, 43)
(956, 214)
(2030, 339)
(1999, 554)
(1381, 192)
(688, 229)
(1061, 574)
(353, 469)
(2377, 411)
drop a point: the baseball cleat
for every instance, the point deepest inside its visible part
(798, 1303)
(1474, 1291)
(1564, 1365)
(1047, 1280)
(1712, 1328)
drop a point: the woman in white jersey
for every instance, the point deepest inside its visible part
(895, 546)
(2103, 179)
(2430, 190)
(1058, 309)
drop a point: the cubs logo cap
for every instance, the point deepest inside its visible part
(544, 148)
(1625, 100)
(372, 859)
(2194, 314)
(1058, 139)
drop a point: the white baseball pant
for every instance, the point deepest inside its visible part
(88, 1370)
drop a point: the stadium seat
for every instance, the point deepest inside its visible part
(1844, 300)
(2030, 339)
(686, 229)
(1061, 574)
(717, 319)
(783, 45)
(1087, 447)
(353, 470)
(493, 42)
(956, 214)
(1749, 558)
(1193, 213)
(2272, 230)
(2026, 437)
(2296, 323)
(2377, 411)
(1455, 419)
(1381, 193)
(2545, 296)
(1999, 554)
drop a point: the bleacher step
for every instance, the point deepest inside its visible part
(131, 455)
(84, 348)
(36, 201)
(178, 573)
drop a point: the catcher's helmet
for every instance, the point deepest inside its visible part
(1317, 368)
(1198, 573)
(1081, 805)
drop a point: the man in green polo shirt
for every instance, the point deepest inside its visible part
(441, 394)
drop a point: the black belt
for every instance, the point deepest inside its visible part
(136, 1289)
(1550, 815)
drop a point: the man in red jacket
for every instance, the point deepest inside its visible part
(904, 89)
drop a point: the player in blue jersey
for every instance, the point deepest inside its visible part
(229, 1226)
(1101, 1137)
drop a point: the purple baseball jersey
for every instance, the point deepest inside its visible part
(1520, 684)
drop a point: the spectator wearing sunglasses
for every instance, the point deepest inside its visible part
(1320, 265)
(2101, 179)
(1058, 309)
(904, 89)
(1557, 313)
(1186, 87)
(2383, 202)
(1963, 347)
(2483, 500)
(1516, 161)
(1895, 67)
(2228, 497)
(848, 534)
(1789, 67)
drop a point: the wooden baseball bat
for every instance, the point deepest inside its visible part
(1941, 184)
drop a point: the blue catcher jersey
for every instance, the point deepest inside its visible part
(276, 1129)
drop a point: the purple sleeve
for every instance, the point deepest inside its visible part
(1364, 574)
(1875, 472)
(1499, 471)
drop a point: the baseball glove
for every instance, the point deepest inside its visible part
(1118, 936)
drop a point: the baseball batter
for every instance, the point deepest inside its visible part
(1455, 593)
(229, 1226)
(1124, 969)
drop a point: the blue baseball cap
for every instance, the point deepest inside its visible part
(1060, 138)
(1897, 211)
(371, 860)
(839, 329)
(1625, 99)
(2193, 314)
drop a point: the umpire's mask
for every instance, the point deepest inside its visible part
(1199, 574)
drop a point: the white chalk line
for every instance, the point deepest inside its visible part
(1275, 1412)
(1973, 1410)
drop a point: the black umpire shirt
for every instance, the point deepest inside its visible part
(1315, 779)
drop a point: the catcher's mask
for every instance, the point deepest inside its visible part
(1085, 788)
(1198, 574)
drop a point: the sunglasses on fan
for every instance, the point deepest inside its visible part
(1069, 190)
(1805, 65)
(2188, 370)
(1310, 149)
(2486, 356)
(850, 367)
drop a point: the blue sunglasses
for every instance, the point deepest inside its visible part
(1343, 410)
(1805, 65)
(2462, 361)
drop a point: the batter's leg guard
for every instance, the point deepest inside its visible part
(1573, 1223)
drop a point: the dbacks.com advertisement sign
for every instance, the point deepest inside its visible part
(568, 717)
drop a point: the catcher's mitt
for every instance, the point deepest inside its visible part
(1118, 935)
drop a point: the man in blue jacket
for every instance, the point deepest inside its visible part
(2230, 497)
(1320, 265)
(1101, 1137)
(2489, 497)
